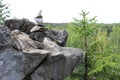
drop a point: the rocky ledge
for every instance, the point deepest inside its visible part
(22, 58)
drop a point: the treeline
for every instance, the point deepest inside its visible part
(107, 27)
(101, 44)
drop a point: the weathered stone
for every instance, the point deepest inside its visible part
(5, 37)
(59, 64)
(15, 65)
(22, 58)
(60, 37)
(38, 36)
(39, 18)
(23, 42)
(23, 25)
(38, 28)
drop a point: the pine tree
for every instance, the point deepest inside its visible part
(4, 11)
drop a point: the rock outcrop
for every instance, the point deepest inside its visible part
(22, 58)
(60, 37)
(24, 25)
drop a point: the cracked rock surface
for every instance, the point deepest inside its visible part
(22, 58)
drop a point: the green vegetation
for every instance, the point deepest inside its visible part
(4, 11)
(101, 43)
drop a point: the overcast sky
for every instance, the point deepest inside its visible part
(58, 11)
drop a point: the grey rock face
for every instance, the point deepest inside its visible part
(22, 41)
(38, 36)
(15, 64)
(23, 25)
(59, 64)
(22, 58)
(5, 37)
(60, 37)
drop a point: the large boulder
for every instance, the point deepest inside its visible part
(21, 58)
(24, 25)
(5, 37)
(59, 64)
(14, 63)
(60, 37)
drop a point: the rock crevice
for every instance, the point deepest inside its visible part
(22, 58)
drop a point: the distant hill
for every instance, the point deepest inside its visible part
(56, 24)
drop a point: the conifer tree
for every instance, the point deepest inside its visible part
(4, 11)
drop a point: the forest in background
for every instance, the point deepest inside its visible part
(101, 43)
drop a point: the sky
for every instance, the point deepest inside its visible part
(62, 11)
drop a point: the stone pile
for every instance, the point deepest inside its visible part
(25, 58)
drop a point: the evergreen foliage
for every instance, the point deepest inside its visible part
(103, 52)
(103, 44)
(4, 11)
